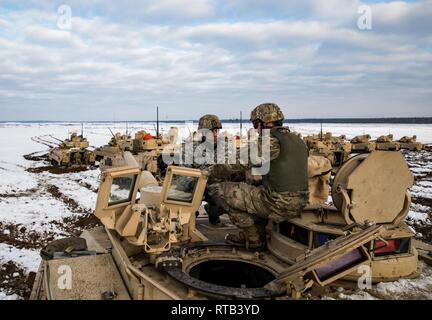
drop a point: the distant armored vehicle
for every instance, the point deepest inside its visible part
(72, 151)
(410, 143)
(119, 142)
(362, 144)
(386, 143)
(336, 149)
(152, 248)
(145, 148)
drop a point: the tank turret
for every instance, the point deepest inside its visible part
(386, 143)
(362, 144)
(410, 143)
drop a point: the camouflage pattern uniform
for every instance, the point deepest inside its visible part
(250, 206)
(210, 122)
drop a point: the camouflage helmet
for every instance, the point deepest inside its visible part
(267, 112)
(210, 122)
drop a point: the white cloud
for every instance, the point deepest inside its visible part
(187, 8)
(102, 64)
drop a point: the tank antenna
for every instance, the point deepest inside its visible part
(157, 122)
(241, 124)
(321, 132)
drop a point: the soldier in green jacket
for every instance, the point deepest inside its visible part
(284, 190)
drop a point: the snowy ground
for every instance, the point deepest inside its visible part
(38, 205)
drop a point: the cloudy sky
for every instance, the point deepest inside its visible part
(118, 60)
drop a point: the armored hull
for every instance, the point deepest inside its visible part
(69, 157)
(156, 248)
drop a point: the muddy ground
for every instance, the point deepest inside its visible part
(14, 279)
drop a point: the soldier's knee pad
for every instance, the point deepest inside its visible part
(241, 219)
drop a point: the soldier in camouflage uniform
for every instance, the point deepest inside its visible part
(284, 190)
(210, 122)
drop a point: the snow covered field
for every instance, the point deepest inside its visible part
(37, 206)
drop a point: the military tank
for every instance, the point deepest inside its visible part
(118, 142)
(148, 151)
(153, 247)
(386, 143)
(72, 151)
(336, 149)
(363, 143)
(411, 143)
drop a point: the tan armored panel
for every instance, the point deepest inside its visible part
(90, 278)
(378, 187)
(319, 171)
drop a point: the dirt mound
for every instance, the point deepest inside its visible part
(57, 170)
(19, 237)
(74, 225)
(15, 194)
(35, 157)
(15, 280)
(422, 201)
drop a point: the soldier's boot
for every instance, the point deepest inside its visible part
(251, 237)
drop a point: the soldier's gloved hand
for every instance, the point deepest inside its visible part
(213, 171)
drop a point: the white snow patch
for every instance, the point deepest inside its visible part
(360, 295)
(34, 212)
(422, 192)
(4, 296)
(404, 288)
(28, 259)
(15, 179)
(68, 185)
(417, 216)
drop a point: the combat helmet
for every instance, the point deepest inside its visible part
(210, 122)
(267, 112)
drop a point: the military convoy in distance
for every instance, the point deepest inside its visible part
(410, 143)
(362, 144)
(386, 143)
(151, 247)
(72, 152)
